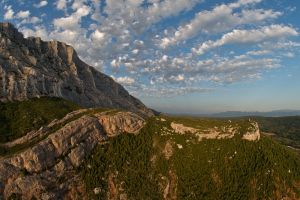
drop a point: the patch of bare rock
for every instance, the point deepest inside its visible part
(224, 132)
(35, 171)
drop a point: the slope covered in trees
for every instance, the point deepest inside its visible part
(159, 163)
(18, 118)
(286, 130)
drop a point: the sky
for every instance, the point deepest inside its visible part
(180, 56)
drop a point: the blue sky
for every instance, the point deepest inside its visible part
(180, 56)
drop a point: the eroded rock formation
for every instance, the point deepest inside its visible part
(52, 161)
(30, 67)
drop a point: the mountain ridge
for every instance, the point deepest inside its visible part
(228, 114)
(31, 67)
(273, 113)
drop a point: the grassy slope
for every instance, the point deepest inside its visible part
(210, 169)
(18, 118)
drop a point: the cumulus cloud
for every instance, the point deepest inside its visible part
(220, 19)
(248, 36)
(9, 14)
(61, 4)
(41, 4)
(38, 31)
(127, 81)
(98, 36)
(146, 91)
(168, 8)
(258, 52)
(23, 14)
(31, 20)
(72, 21)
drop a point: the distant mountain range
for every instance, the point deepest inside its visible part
(275, 113)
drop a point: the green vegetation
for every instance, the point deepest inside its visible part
(137, 165)
(210, 169)
(126, 158)
(236, 169)
(20, 147)
(286, 130)
(18, 118)
(206, 123)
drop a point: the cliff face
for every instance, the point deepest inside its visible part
(46, 169)
(30, 67)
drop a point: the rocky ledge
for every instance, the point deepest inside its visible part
(252, 133)
(52, 161)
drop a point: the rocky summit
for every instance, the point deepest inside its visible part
(30, 67)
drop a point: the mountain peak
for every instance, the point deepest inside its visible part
(31, 67)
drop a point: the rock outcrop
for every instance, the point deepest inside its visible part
(30, 67)
(224, 132)
(35, 171)
(121, 122)
(181, 129)
(253, 133)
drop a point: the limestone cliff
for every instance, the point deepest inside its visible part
(30, 67)
(47, 168)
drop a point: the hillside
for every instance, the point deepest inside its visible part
(30, 67)
(166, 165)
(113, 154)
(19, 118)
(286, 130)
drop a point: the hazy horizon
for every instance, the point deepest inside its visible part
(180, 56)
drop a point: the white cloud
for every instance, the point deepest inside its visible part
(98, 36)
(38, 31)
(244, 2)
(169, 8)
(72, 21)
(146, 91)
(220, 19)
(31, 20)
(135, 51)
(127, 81)
(61, 4)
(258, 53)
(41, 4)
(178, 78)
(23, 14)
(9, 14)
(248, 36)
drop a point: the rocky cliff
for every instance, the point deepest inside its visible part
(46, 168)
(30, 67)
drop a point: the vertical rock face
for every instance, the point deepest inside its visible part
(30, 67)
